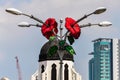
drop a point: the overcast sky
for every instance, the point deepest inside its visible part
(27, 42)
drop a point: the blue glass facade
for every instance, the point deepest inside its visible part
(100, 66)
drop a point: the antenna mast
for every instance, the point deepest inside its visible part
(18, 68)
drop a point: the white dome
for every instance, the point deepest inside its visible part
(4, 78)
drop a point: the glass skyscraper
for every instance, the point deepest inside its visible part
(105, 65)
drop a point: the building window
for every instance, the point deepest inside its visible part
(107, 70)
(107, 73)
(101, 73)
(101, 55)
(66, 72)
(104, 47)
(102, 66)
(101, 63)
(36, 77)
(106, 77)
(42, 69)
(53, 72)
(101, 76)
(106, 59)
(106, 66)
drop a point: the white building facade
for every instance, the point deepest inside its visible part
(116, 59)
(51, 69)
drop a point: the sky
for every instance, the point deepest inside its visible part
(27, 42)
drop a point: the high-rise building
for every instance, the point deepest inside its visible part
(105, 65)
(52, 68)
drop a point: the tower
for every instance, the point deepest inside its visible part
(105, 65)
(51, 68)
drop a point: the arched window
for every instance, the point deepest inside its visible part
(42, 69)
(53, 72)
(66, 72)
(36, 77)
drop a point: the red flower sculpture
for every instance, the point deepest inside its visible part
(74, 29)
(49, 28)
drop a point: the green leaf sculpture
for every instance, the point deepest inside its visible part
(52, 50)
(70, 49)
(71, 40)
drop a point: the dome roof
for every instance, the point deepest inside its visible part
(4, 78)
(43, 56)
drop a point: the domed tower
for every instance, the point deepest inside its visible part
(58, 66)
(56, 56)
